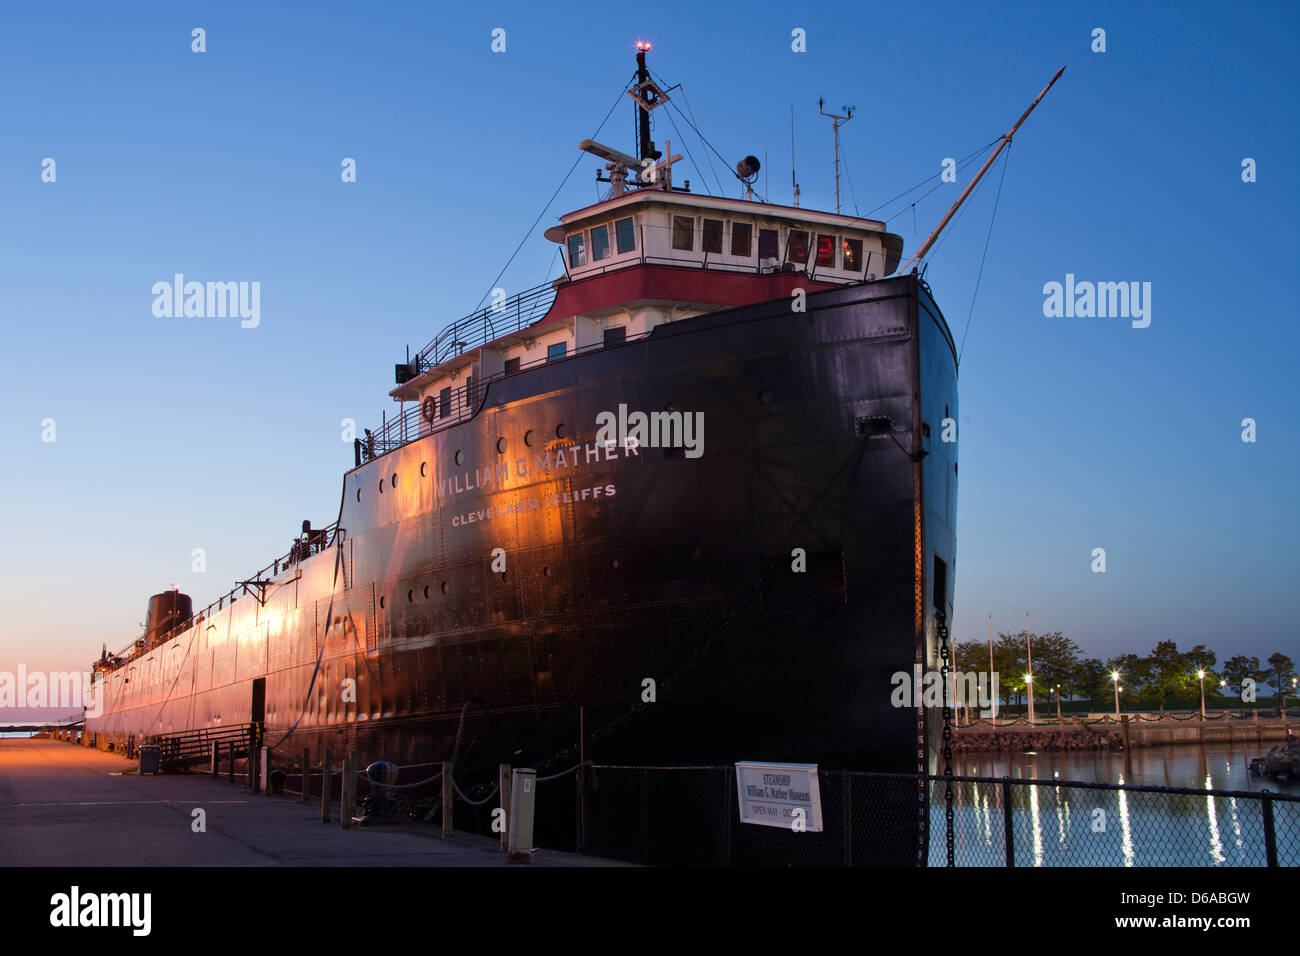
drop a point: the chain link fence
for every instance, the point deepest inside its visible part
(676, 816)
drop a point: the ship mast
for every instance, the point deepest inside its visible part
(1006, 138)
(658, 171)
(647, 96)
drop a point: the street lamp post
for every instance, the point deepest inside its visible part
(1201, 676)
(1059, 722)
(1029, 686)
(1115, 677)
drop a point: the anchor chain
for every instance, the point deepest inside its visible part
(944, 656)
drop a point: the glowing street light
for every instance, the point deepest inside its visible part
(1115, 677)
(1201, 674)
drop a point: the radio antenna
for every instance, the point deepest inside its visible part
(836, 121)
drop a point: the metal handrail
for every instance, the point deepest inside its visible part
(485, 325)
(304, 546)
(464, 403)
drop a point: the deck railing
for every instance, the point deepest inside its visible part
(485, 325)
(312, 542)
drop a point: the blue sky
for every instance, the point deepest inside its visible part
(174, 434)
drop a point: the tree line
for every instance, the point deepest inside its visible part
(1164, 675)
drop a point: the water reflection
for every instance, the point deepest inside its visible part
(1060, 825)
(1151, 766)
(1216, 845)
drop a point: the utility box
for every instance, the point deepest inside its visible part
(150, 759)
(523, 793)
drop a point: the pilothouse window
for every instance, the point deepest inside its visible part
(796, 247)
(852, 255)
(577, 251)
(599, 243)
(683, 232)
(742, 238)
(768, 244)
(713, 235)
(826, 251)
(624, 236)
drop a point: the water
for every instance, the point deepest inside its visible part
(1217, 766)
(1069, 826)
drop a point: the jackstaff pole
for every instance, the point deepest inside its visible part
(1006, 138)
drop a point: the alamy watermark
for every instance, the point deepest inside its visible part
(668, 429)
(62, 689)
(928, 689)
(1102, 300)
(215, 300)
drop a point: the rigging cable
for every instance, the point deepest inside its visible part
(549, 201)
(691, 157)
(689, 122)
(956, 219)
(963, 162)
(980, 274)
(696, 128)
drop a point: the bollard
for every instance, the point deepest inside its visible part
(522, 797)
(325, 784)
(348, 799)
(503, 788)
(448, 800)
(306, 774)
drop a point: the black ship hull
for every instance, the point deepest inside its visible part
(407, 641)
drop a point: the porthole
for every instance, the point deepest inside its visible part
(410, 595)
(394, 479)
(444, 587)
(358, 494)
(460, 457)
(528, 438)
(501, 445)
(504, 576)
(424, 469)
(559, 430)
(765, 397)
(614, 563)
(546, 572)
(381, 486)
(426, 592)
(381, 601)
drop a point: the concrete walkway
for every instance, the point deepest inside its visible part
(66, 805)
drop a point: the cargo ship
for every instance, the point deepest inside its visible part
(691, 502)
